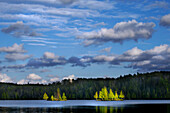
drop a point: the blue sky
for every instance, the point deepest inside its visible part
(44, 41)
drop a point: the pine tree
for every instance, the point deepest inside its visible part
(96, 95)
(64, 97)
(121, 95)
(52, 98)
(101, 95)
(111, 95)
(116, 95)
(58, 94)
(45, 97)
(105, 93)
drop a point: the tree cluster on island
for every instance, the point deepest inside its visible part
(104, 95)
(56, 97)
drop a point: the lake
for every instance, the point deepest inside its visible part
(85, 106)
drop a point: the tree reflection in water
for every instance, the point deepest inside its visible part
(109, 109)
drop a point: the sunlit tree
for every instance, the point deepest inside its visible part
(116, 95)
(58, 94)
(111, 95)
(96, 95)
(105, 93)
(52, 98)
(64, 97)
(45, 96)
(101, 95)
(121, 95)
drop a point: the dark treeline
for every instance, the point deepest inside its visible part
(153, 85)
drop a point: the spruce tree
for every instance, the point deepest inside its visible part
(105, 93)
(64, 97)
(52, 98)
(121, 95)
(96, 95)
(101, 95)
(58, 94)
(111, 95)
(45, 97)
(116, 96)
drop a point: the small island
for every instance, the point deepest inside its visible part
(56, 97)
(104, 95)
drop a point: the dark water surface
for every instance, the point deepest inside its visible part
(85, 106)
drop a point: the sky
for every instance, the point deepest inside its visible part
(43, 41)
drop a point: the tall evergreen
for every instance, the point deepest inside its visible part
(45, 96)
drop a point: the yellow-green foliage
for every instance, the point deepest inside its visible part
(100, 95)
(45, 97)
(96, 95)
(52, 98)
(111, 95)
(58, 94)
(64, 97)
(116, 95)
(56, 97)
(121, 95)
(104, 95)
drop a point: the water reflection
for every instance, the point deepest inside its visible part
(147, 108)
(109, 109)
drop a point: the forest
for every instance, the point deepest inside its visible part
(153, 85)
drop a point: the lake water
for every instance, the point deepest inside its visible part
(85, 106)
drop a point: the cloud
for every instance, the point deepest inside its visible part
(66, 2)
(103, 58)
(13, 67)
(23, 81)
(17, 56)
(106, 49)
(54, 79)
(13, 49)
(131, 30)
(83, 62)
(48, 59)
(20, 30)
(165, 21)
(49, 55)
(155, 59)
(45, 2)
(33, 77)
(69, 77)
(36, 44)
(156, 5)
(94, 4)
(5, 78)
(149, 60)
(15, 52)
(49, 12)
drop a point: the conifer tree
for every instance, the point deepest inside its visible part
(96, 95)
(111, 95)
(116, 95)
(58, 94)
(101, 95)
(121, 95)
(52, 98)
(105, 93)
(64, 97)
(45, 96)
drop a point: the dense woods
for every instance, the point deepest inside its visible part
(153, 85)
